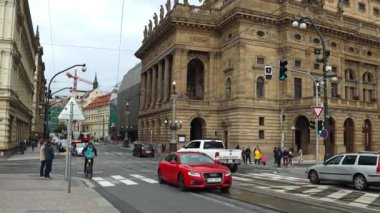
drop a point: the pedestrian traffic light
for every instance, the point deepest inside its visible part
(283, 70)
(320, 127)
(268, 72)
(312, 124)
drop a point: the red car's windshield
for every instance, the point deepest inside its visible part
(194, 158)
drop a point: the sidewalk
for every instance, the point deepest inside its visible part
(29, 155)
(30, 193)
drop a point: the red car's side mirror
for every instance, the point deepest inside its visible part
(173, 162)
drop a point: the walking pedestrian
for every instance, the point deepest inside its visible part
(49, 156)
(163, 147)
(300, 156)
(248, 155)
(42, 159)
(275, 155)
(243, 155)
(257, 154)
(279, 156)
(33, 145)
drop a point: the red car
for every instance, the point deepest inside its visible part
(194, 170)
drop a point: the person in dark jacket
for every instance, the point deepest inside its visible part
(49, 156)
(248, 155)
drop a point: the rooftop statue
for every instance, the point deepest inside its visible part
(145, 32)
(150, 26)
(168, 6)
(161, 13)
(155, 18)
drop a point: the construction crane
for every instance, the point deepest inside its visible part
(76, 79)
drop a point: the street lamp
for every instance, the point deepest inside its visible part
(60, 90)
(301, 23)
(293, 129)
(126, 134)
(173, 124)
(48, 96)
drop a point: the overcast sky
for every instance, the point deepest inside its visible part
(88, 31)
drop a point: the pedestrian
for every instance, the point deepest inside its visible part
(279, 156)
(257, 154)
(25, 144)
(243, 155)
(163, 147)
(300, 156)
(42, 159)
(33, 145)
(248, 155)
(275, 155)
(49, 156)
(237, 147)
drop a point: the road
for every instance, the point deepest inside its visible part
(130, 184)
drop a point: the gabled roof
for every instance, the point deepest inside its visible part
(102, 100)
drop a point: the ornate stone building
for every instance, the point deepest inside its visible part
(19, 58)
(217, 52)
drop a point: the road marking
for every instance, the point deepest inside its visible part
(148, 180)
(336, 195)
(105, 183)
(119, 153)
(128, 182)
(367, 198)
(240, 178)
(118, 177)
(97, 178)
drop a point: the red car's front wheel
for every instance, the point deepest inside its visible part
(181, 183)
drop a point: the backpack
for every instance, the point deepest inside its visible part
(89, 152)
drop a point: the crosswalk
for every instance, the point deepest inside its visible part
(329, 194)
(113, 180)
(269, 176)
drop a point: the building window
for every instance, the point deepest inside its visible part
(350, 93)
(350, 75)
(261, 134)
(297, 88)
(361, 7)
(297, 63)
(334, 90)
(346, 2)
(334, 69)
(228, 88)
(316, 66)
(376, 11)
(261, 121)
(260, 60)
(260, 88)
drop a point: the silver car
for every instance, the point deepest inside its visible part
(361, 169)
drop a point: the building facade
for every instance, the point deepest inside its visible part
(129, 93)
(96, 116)
(18, 54)
(216, 53)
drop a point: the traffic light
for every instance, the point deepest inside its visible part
(312, 124)
(268, 72)
(283, 70)
(320, 127)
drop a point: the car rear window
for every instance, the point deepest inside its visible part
(367, 160)
(213, 145)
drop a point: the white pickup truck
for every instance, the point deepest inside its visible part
(215, 149)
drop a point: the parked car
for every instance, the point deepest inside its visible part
(141, 150)
(77, 148)
(360, 169)
(63, 145)
(85, 137)
(215, 149)
(193, 170)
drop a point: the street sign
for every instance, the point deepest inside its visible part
(317, 110)
(325, 134)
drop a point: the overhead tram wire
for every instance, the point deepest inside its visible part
(120, 38)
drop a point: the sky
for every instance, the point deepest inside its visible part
(92, 32)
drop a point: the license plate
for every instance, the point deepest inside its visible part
(213, 180)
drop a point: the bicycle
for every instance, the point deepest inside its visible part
(88, 172)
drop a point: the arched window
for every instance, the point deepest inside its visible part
(195, 79)
(228, 88)
(367, 77)
(260, 90)
(350, 75)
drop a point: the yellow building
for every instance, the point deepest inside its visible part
(19, 53)
(216, 53)
(96, 116)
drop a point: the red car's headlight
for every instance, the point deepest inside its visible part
(194, 174)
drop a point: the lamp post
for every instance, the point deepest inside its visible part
(293, 129)
(173, 124)
(301, 23)
(60, 90)
(126, 134)
(48, 96)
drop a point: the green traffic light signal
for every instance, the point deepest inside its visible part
(283, 70)
(320, 127)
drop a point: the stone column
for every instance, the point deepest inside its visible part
(149, 88)
(154, 86)
(143, 90)
(159, 83)
(166, 79)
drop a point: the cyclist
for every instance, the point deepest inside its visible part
(88, 152)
